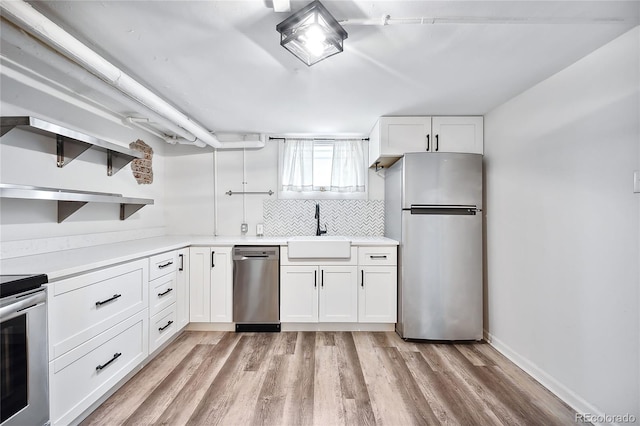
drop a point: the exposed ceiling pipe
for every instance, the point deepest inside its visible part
(24, 15)
(140, 122)
(422, 20)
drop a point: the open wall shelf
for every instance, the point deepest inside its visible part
(70, 143)
(69, 201)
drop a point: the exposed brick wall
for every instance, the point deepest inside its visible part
(141, 168)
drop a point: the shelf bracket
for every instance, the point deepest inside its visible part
(116, 161)
(126, 210)
(68, 149)
(67, 208)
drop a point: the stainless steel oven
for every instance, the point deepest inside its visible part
(24, 390)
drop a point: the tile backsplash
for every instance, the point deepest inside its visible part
(341, 217)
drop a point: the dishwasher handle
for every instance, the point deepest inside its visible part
(256, 253)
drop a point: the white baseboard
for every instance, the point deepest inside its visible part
(211, 326)
(558, 389)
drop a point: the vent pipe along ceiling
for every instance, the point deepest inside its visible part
(38, 25)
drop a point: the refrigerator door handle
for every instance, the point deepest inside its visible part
(444, 210)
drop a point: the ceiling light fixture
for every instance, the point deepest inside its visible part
(312, 34)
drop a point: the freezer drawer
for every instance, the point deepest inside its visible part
(441, 277)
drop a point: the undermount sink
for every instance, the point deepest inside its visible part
(321, 247)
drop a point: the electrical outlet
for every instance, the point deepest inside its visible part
(636, 181)
(244, 228)
(259, 230)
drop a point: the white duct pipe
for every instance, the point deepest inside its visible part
(32, 21)
(140, 122)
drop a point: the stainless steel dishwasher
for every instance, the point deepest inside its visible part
(256, 288)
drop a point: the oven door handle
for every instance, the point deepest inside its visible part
(22, 305)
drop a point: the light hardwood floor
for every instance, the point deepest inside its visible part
(328, 378)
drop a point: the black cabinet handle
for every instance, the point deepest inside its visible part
(362, 276)
(427, 142)
(384, 256)
(165, 265)
(169, 290)
(115, 356)
(165, 327)
(322, 278)
(315, 279)
(213, 255)
(437, 143)
(111, 299)
(181, 268)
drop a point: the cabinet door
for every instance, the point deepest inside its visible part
(458, 134)
(399, 135)
(338, 294)
(221, 296)
(182, 282)
(199, 284)
(299, 294)
(377, 300)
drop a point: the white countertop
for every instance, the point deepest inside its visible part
(62, 264)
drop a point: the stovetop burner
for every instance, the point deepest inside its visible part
(14, 284)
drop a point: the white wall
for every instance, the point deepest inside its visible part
(190, 188)
(30, 159)
(189, 184)
(563, 230)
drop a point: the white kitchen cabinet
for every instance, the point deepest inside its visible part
(299, 294)
(338, 294)
(457, 134)
(182, 282)
(377, 298)
(378, 284)
(392, 137)
(81, 307)
(162, 326)
(81, 376)
(323, 293)
(210, 284)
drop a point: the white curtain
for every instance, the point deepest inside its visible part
(297, 166)
(347, 168)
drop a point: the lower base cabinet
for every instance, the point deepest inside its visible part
(80, 377)
(162, 326)
(318, 294)
(377, 298)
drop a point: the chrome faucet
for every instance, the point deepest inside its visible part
(317, 217)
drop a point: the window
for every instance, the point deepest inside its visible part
(322, 168)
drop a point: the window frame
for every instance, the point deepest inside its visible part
(322, 195)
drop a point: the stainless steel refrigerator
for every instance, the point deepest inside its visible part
(433, 207)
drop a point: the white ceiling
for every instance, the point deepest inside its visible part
(221, 64)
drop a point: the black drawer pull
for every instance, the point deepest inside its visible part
(213, 259)
(115, 296)
(362, 275)
(163, 328)
(165, 265)
(384, 256)
(169, 290)
(181, 268)
(115, 356)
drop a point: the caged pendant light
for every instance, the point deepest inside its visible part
(312, 34)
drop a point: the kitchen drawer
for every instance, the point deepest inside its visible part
(162, 293)
(380, 255)
(81, 376)
(82, 307)
(162, 264)
(161, 327)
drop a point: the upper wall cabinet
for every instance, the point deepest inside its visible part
(392, 137)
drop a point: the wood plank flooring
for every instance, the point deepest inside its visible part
(328, 378)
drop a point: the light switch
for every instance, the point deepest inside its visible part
(636, 181)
